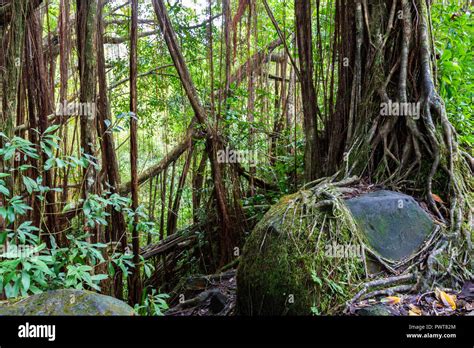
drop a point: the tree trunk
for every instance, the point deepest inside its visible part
(87, 48)
(198, 180)
(312, 158)
(118, 229)
(40, 108)
(398, 133)
(10, 75)
(64, 54)
(173, 216)
(134, 285)
(213, 143)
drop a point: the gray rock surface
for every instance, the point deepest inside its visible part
(394, 224)
(376, 310)
(67, 302)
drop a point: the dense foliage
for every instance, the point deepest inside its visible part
(265, 124)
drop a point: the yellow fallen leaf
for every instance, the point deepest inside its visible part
(391, 299)
(414, 310)
(446, 299)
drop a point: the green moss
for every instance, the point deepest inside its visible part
(66, 302)
(284, 268)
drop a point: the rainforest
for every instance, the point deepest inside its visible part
(236, 157)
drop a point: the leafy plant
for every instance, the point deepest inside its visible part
(27, 266)
(153, 304)
(454, 43)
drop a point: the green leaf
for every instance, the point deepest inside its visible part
(4, 190)
(3, 237)
(25, 280)
(99, 277)
(40, 265)
(30, 184)
(49, 163)
(52, 128)
(9, 153)
(11, 291)
(111, 269)
(35, 290)
(11, 264)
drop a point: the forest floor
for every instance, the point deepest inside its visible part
(215, 295)
(439, 302)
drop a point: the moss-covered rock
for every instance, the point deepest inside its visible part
(285, 268)
(66, 302)
(290, 264)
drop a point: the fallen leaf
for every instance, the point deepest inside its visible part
(391, 300)
(447, 300)
(414, 310)
(437, 198)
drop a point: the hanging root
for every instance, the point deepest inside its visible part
(456, 167)
(318, 217)
(381, 282)
(310, 223)
(425, 150)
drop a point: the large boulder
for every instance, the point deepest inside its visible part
(393, 223)
(284, 269)
(290, 264)
(66, 302)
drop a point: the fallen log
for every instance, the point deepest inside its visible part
(203, 282)
(175, 153)
(153, 171)
(165, 245)
(254, 63)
